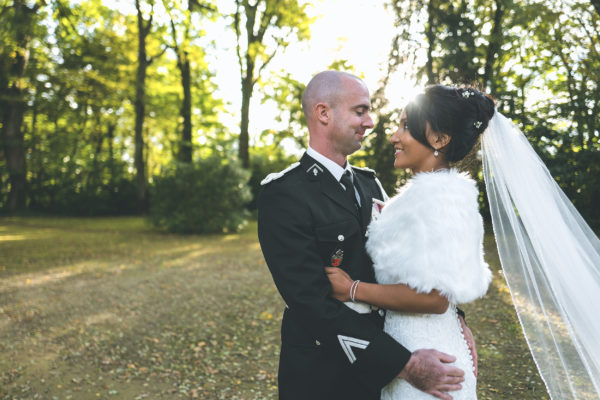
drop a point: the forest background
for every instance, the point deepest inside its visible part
(111, 108)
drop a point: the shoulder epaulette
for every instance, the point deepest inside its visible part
(276, 175)
(364, 169)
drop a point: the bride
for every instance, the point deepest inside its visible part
(430, 237)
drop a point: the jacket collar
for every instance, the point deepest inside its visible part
(334, 168)
(329, 185)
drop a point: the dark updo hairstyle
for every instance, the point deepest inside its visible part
(461, 113)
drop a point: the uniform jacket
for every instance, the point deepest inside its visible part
(328, 350)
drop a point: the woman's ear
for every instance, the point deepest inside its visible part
(441, 140)
(437, 140)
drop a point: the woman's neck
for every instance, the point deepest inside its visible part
(431, 165)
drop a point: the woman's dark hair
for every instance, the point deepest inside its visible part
(461, 113)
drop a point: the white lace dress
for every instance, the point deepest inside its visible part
(430, 236)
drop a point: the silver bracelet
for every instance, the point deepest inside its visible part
(353, 289)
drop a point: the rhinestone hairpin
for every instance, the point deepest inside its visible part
(466, 94)
(477, 124)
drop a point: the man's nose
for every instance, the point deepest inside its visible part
(369, 122)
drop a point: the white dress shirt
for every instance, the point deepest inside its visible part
(334, 168)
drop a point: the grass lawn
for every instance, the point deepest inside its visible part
(112, 309)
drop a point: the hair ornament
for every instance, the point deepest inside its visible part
(477, 124)
(467, 93)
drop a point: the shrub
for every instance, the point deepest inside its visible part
(69, 196)
(206, 196)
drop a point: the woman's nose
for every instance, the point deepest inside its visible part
(394, 137)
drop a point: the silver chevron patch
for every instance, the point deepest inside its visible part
(348, 342)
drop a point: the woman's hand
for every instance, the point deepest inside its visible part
(340, 283)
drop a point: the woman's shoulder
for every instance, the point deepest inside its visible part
(433, 187)
(443, 180)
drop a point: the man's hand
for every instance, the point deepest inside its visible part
(427, 371)
(340, 283)
(470, 342)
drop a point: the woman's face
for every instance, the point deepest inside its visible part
(409, 152)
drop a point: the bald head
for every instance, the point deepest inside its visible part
(324, 87)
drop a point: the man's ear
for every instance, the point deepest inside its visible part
(323, 113)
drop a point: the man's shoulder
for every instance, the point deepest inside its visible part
(280, 176)
(368, 172)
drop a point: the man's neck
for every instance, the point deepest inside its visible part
(339, 159)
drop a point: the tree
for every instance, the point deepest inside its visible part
(286, 92)
(262, 28)
(596, 4)
(144, 26)
(19, 24)
(74, 134)
(566, 61)
(182, 45)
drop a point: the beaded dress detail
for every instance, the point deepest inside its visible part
(430, 236)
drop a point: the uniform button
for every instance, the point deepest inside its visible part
(317, 343)
(341, 238)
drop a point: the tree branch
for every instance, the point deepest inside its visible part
(593, 41)
(236, 23)
(268, 60)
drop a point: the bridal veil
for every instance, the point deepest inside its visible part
(551, 261)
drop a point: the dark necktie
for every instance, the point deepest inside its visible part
(346, 180)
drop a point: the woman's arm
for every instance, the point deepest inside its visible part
(397, 297)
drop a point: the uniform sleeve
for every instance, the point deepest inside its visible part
(289, 246)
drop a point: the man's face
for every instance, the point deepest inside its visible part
(350, 117)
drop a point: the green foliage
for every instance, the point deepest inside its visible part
(206, 196)
(263, 28)
(539, 60)
(286, 92)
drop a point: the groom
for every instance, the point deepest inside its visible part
(315, 214)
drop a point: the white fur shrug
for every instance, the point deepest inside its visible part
(430, 236)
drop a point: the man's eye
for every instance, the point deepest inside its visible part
(360, 113)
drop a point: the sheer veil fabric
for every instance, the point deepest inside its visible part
(551, 261)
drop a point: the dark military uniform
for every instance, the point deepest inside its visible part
(328, 350)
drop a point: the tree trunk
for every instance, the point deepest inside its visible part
(493, 47)
(110, 134)
(430, 35)
(95, 177)
(12, 99)
(243, 153)
(140, 112)
(596, 4)
(185, 148)
(14, 147)
(247, 88)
